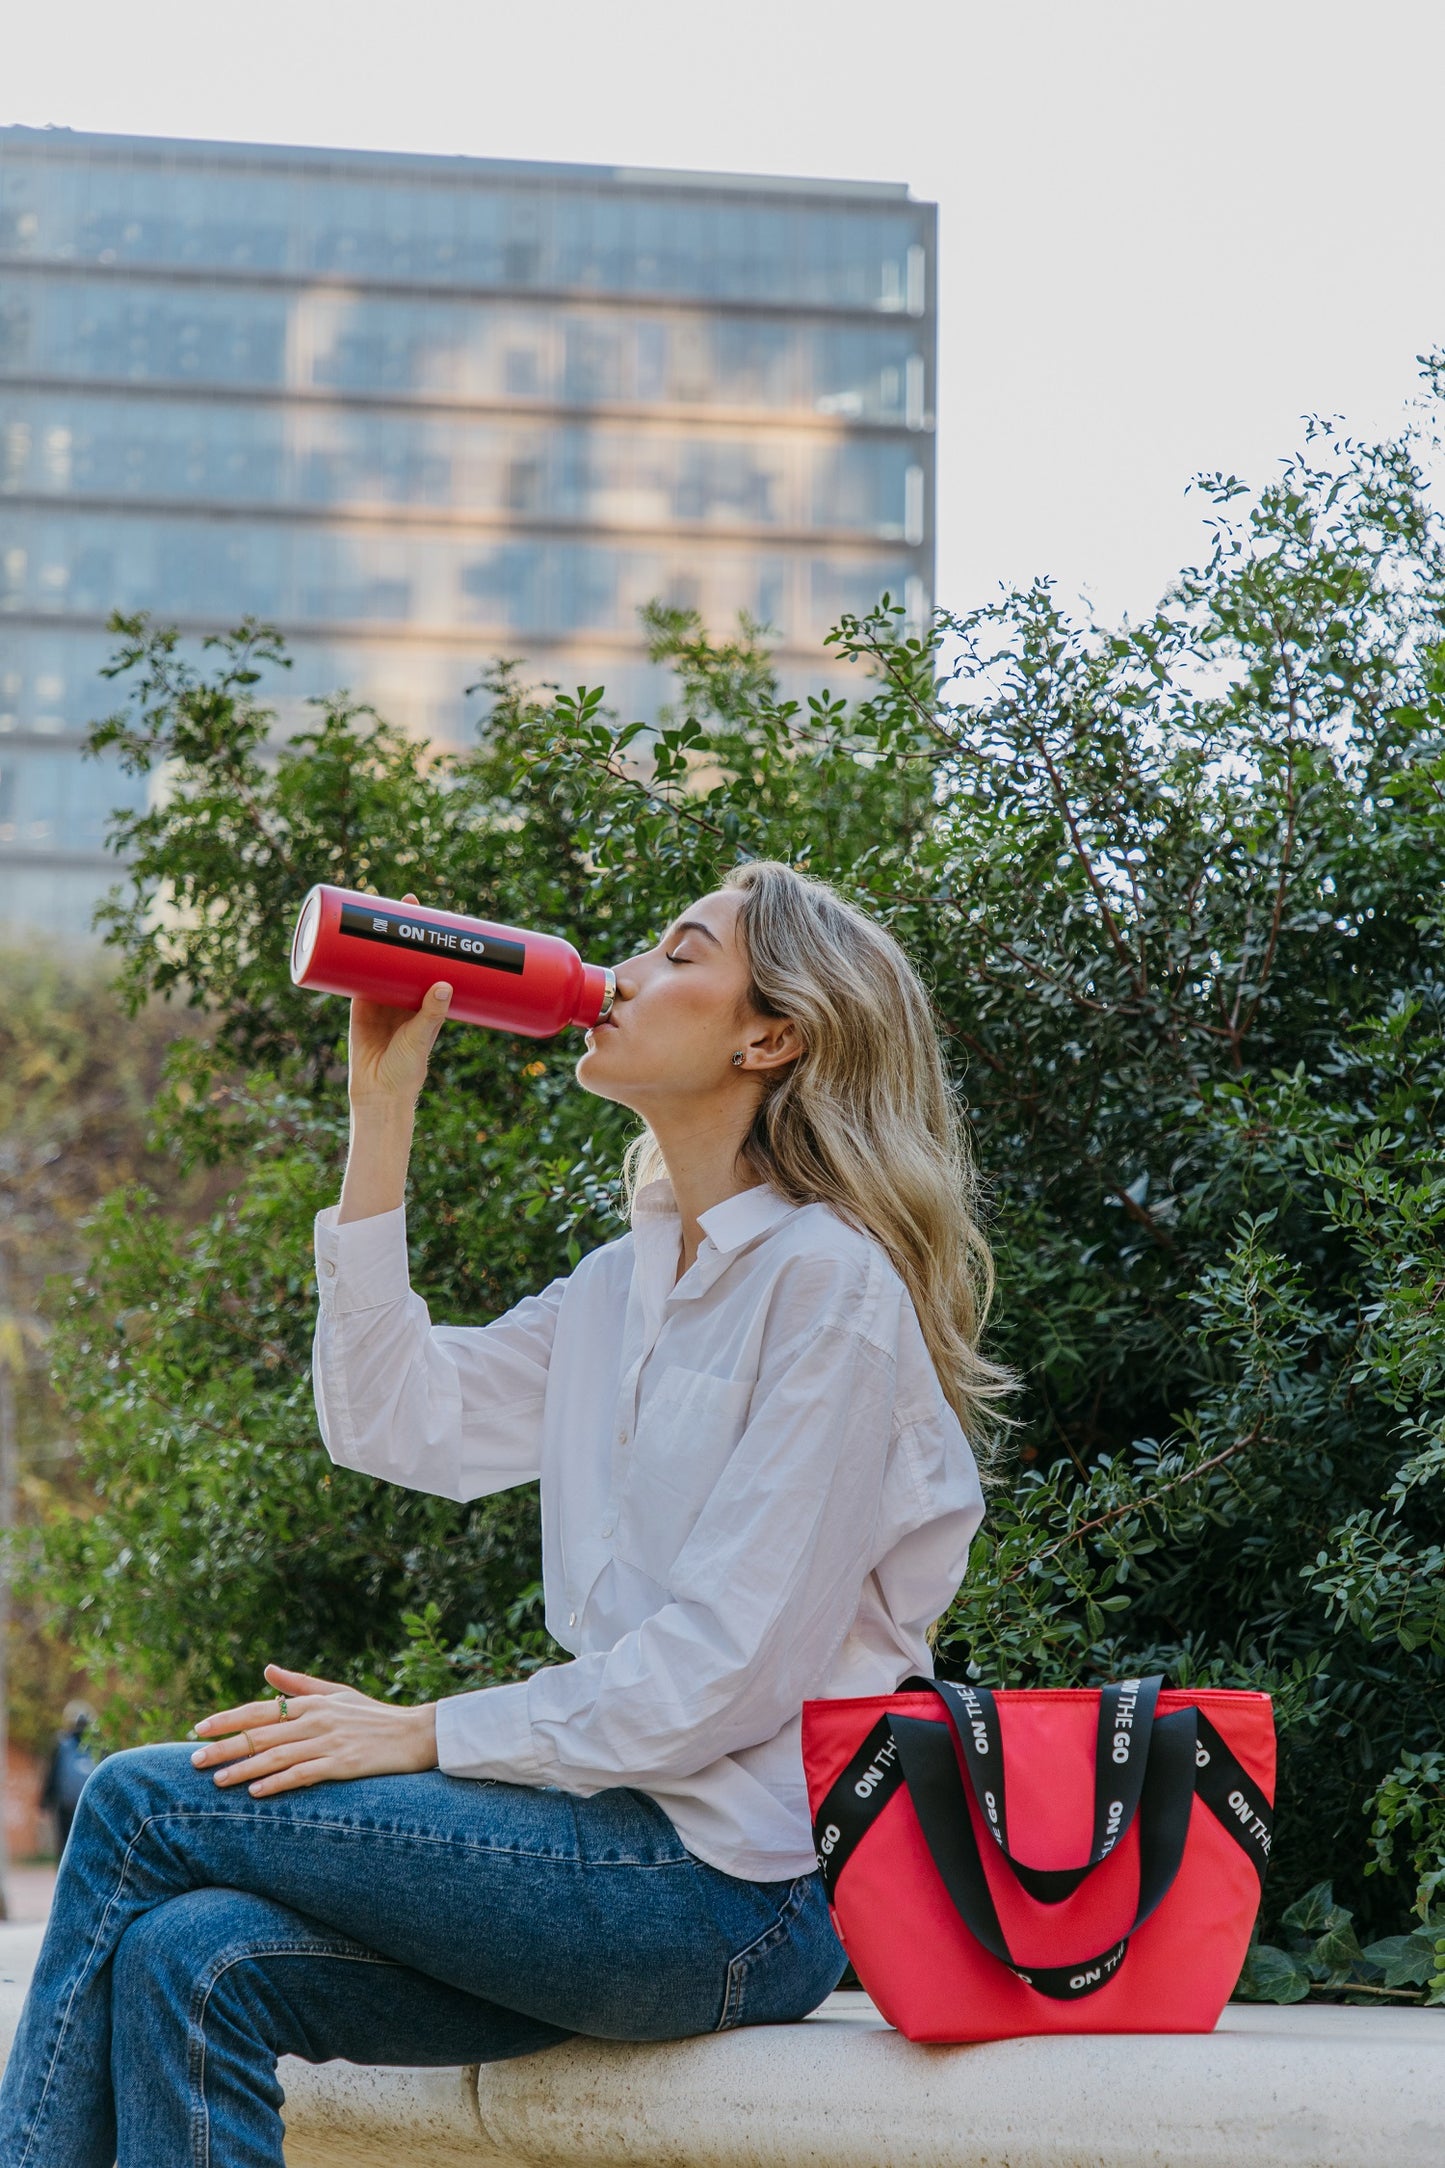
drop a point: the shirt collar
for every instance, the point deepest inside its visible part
(744, 1217)
(728, 1226)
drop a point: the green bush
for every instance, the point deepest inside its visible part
(77, 1077)
(1177, 890)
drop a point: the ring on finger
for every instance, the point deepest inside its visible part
(250, 1742)
(282, 1709)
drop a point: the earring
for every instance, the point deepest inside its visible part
(737, 1061)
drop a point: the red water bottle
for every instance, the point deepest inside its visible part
(531, 983)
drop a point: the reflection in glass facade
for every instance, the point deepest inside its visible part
(419, 412)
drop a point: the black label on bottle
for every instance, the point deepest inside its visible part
(454, 944)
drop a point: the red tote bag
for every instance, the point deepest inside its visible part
(1086, 1860)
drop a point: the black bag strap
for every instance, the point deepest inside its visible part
(936, 1788)
(1126, 1722)
(1232, 1796)
(855, 1799)
(861, 1791)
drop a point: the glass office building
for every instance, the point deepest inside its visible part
(419, 412)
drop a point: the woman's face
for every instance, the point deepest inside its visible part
(681, 1013)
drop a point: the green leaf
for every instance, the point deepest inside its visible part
(1272, 1975)
(1405, 1960)
(1316, 1913)
(1337, 1952)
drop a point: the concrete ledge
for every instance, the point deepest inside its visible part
(1307, 2087)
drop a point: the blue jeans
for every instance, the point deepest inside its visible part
(197, 1934)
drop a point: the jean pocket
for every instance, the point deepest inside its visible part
(787, 1970)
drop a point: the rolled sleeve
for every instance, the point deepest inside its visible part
(489, 1734)
(363, 1265)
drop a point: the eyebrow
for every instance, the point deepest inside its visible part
(695, 925)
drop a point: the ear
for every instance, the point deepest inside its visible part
(773, 1047)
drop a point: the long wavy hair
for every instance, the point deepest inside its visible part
(865, 1119)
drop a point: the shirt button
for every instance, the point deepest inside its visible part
(571, 1618)
(607, 1530)
(622, 1437)
(329, 1268)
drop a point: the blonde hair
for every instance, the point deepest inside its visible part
(865, 1119)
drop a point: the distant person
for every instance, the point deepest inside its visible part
(71, 1762)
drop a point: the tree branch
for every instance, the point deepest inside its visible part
(1137, 1505)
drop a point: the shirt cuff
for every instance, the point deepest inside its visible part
(488, 1734)
(363, 1265)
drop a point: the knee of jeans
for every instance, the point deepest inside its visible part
(128, 1783)
(175, 1950)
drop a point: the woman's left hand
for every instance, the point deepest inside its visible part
(327, 1732)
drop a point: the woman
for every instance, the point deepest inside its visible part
(756, 1488)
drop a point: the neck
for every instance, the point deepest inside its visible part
(704, 1165)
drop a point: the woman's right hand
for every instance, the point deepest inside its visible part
(388, 1049)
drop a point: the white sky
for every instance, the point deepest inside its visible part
(1167, 230)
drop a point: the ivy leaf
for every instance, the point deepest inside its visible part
(1316, 1913)
(1338, 1953)
(1405, 1960)
(1272, 1975)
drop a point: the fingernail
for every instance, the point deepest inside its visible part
(443, 993)
(198, 1758)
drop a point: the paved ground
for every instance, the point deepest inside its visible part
(28, 1891)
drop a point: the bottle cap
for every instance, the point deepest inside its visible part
(599, 991)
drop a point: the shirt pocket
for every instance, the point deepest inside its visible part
(687, 1430)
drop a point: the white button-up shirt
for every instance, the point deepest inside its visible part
(753, 1493)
